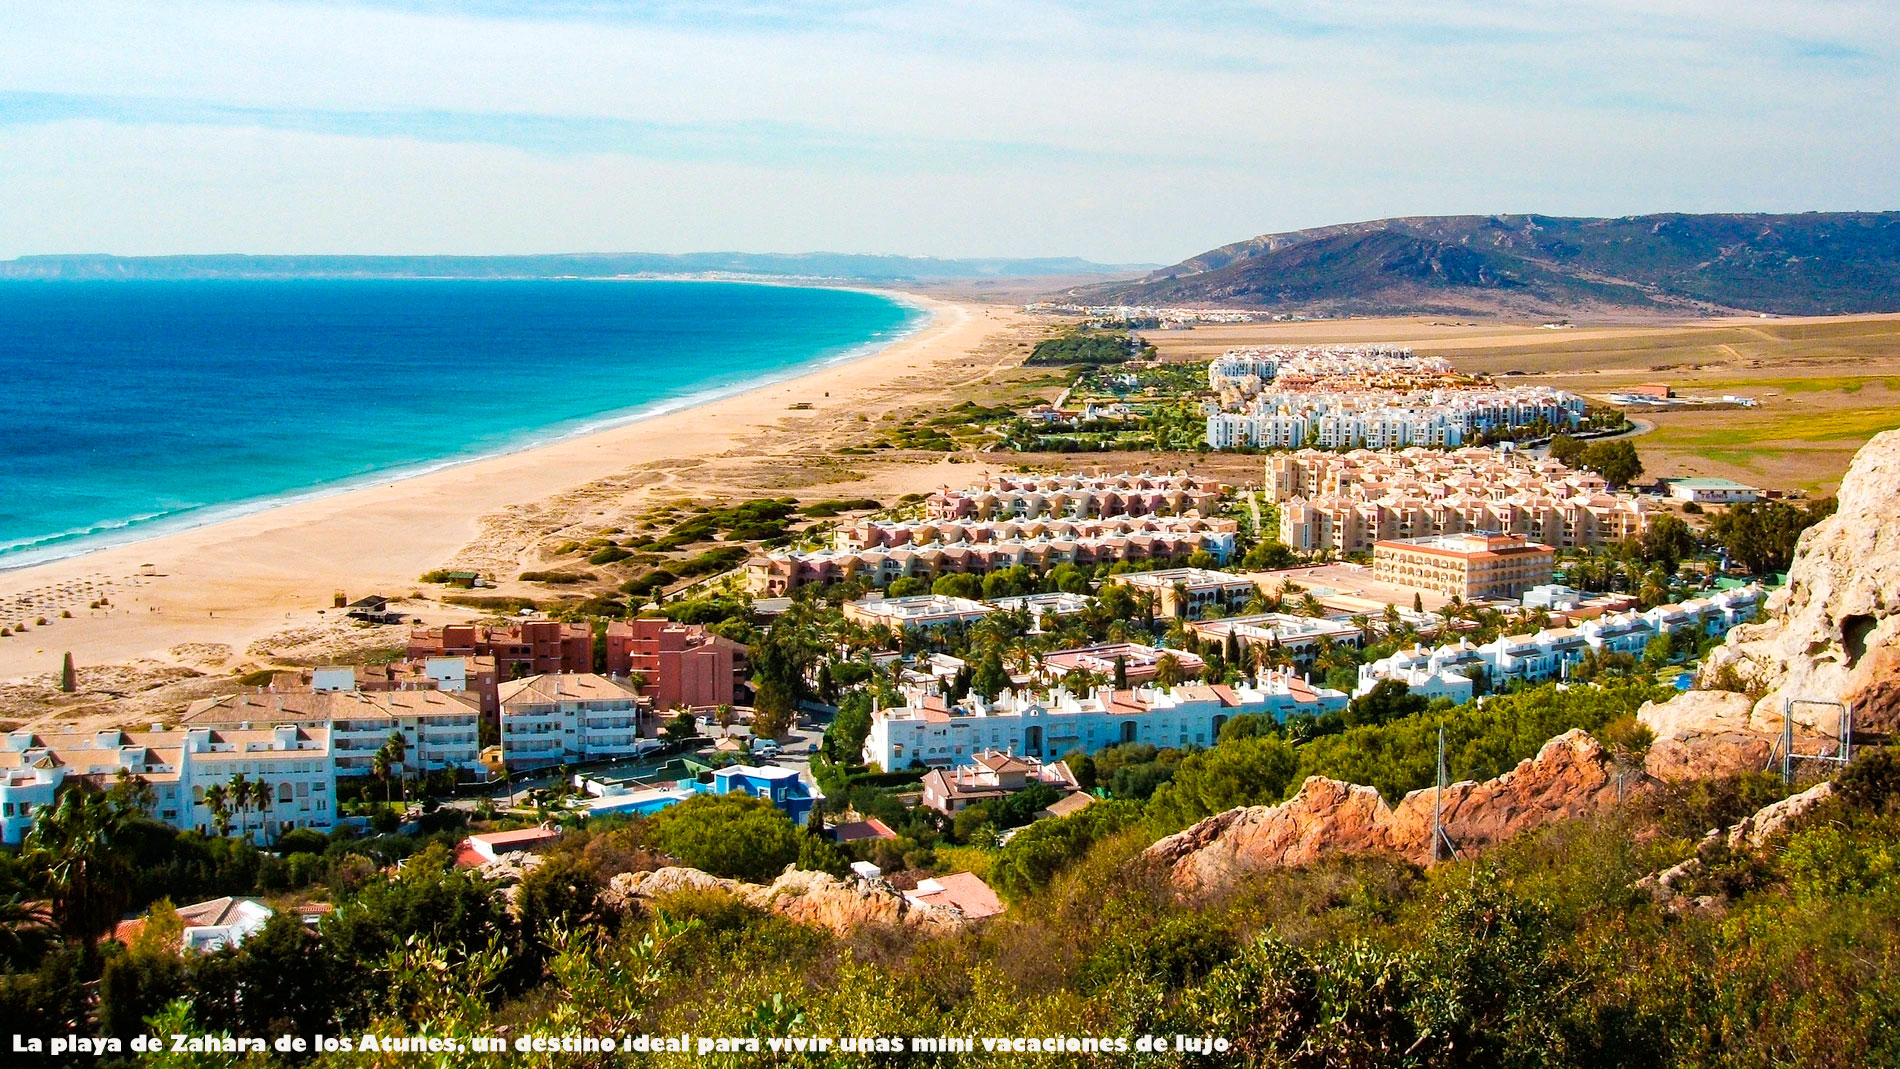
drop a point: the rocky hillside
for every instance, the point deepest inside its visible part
(1833, 635)
(1571, 776)
(1809, 264)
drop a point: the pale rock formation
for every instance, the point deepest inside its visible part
(1834, 630)
(1571, 776)
(1702, 734)
(814, 898)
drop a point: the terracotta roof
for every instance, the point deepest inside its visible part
(963, 891)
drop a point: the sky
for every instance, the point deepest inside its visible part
(1121, 132)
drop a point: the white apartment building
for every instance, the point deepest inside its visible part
(568, 717)
(1551, 653)
(1189, 592)
(926, 611)
(439, 729)
(294, 762)
(925, 730)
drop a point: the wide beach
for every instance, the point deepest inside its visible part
(201, 597)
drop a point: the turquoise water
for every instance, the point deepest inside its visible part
(128, 408)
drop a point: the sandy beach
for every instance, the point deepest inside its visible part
(201, 598)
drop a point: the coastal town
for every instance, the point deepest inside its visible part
(921, 711)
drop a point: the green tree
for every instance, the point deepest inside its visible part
(990, 678)
(1616, 461)
(1388, 700)
(1667, 542)
(1248, 771)
(729, 835)
(80, 847)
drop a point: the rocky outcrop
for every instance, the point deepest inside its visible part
(1571, 776)
(1833, 632)
(1751, 835)
(815, 898)
(1772, 821)
(1703, 734)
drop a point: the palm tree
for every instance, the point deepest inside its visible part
(78, 844)
(1168, 671)
(218, 800)
(398, 749)
(261, 799)
(241, 801)
(378, 767)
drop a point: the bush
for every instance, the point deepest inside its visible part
(557, 578)
(729, 835)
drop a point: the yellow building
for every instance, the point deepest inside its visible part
(1468, 566)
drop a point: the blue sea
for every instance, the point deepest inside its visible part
(128, 408)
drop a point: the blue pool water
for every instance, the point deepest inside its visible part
(130, 407)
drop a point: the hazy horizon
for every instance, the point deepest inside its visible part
(1102, 131)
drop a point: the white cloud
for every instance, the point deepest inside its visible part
(1104, 130)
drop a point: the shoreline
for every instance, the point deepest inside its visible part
(75, 545)
(201, 594)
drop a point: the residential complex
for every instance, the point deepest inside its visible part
(1300, 638)
(1466, 566)
(780, 573)
(1550, 653)
(928, 730)
(683, 666)
(440, 730)
(1377, 397)
(180, 764)
(1189, 592)
(1022, 496)
(527, 647)
(1344, 502)
(1138, 663)
(568, 718)
(990, 775)
(923, 610)
(892, 534)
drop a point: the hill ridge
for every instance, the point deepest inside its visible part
(1670, 263)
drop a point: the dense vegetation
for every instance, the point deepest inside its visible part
(1087, 347)
(1541, 953)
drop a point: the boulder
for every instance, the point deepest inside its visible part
(1571, 776)
(1702, 734)
(1833, 632)
(818, 899)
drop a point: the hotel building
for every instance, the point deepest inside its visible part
(1468, 566)
(530, 647)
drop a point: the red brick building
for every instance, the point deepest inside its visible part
(684, 664)
(526, 648)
